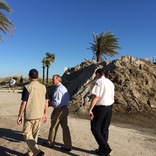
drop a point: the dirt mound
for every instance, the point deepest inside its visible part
(134, 81)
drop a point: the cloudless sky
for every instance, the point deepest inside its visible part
(65, 27)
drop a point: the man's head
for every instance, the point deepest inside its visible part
(99, 73)
(33, 73)
(56, 79)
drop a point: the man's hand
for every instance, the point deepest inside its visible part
(19, 120)
(91, 115)
(44, 118)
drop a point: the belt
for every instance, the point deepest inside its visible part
(103, 106)
(61, 107)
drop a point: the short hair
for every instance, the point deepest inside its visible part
(100, 71)
(58, 77)
(33, 73)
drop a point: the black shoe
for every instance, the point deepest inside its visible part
(41, 153)
(97, 151)
(65, 148)
(106, 152)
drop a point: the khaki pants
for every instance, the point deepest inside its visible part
(60, 116)
(30, 131)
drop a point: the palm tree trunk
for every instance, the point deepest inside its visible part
(47, 73)
(43, 73)
(98, 57)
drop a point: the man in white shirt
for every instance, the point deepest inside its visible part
(12, 83)
(100, 111)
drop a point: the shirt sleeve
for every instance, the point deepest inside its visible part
(46, 96)
(96, 89)
(57, 98)
(25, 95)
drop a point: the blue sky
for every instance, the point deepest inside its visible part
(65, 27)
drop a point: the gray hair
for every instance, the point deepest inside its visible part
(58, 77)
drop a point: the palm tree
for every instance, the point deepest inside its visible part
(46, 63)
(104, 46)
(43, 66)
(6, 26)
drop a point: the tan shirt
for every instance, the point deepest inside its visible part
(36, 100)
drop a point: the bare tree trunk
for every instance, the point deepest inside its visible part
(47, 73)
(43, 73)
(98, 58)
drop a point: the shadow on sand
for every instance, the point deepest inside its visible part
(57, 146)
(16, 136)
(10, 136)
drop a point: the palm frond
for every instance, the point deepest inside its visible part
(3, 18)
(6, 26)
(1, 38)
(104, 45)
(48, 59)
(5, 7)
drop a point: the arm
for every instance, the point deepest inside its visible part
(44, 118)
(21, 110)
(23, 105)
(93, 102)
(56, 98)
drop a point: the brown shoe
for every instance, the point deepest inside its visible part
(65, 148)
(46, 144)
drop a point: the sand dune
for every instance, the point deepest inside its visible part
(126, 138)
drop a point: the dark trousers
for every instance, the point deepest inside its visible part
(100, 125)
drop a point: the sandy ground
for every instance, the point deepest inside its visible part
(130, 135)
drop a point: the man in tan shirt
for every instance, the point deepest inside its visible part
(34, 105)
